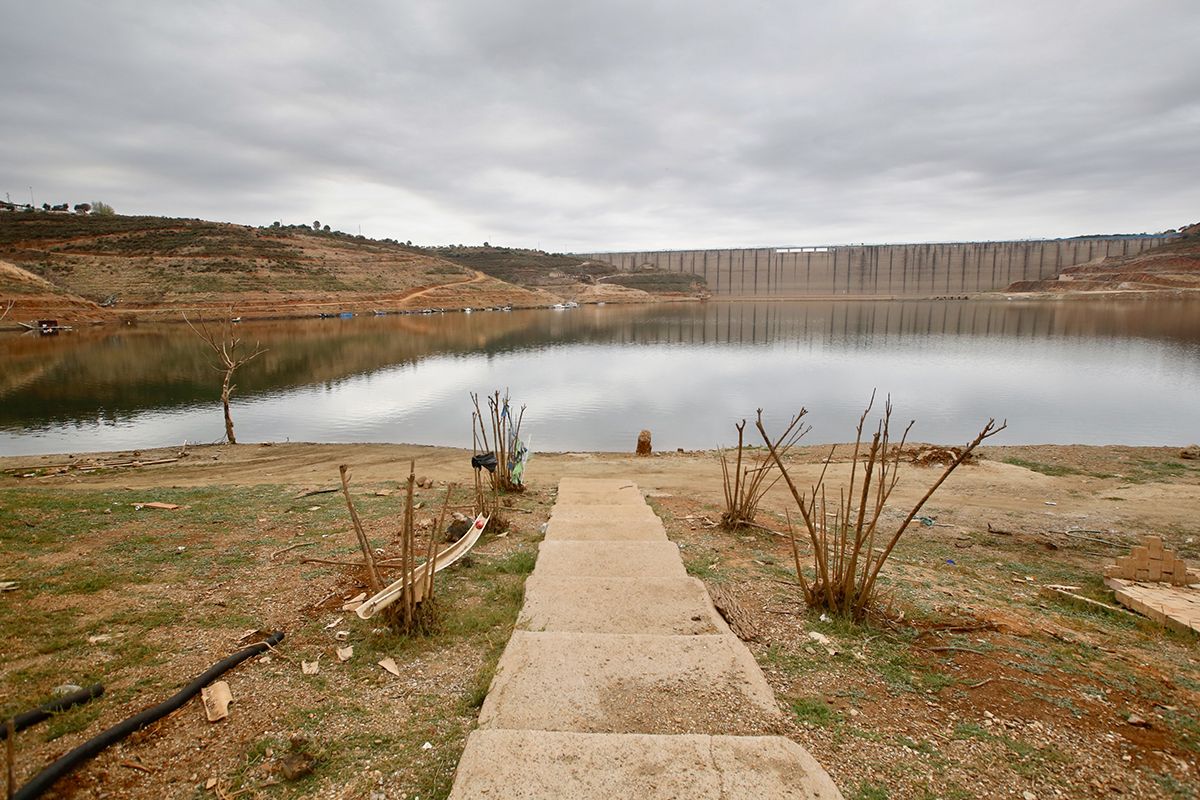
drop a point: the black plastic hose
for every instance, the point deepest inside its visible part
(46, 710)
(92, 747)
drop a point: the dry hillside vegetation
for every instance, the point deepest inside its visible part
(572, 277)
(68, 266)
(154, 265)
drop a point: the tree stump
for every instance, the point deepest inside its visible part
(643, 443)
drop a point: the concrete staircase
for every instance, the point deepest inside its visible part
(622, 680)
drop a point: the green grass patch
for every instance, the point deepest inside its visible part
(1053, 470)
(813, 710)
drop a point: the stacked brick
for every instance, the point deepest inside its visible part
(1152, 563)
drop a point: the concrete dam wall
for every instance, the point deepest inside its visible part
(886, 270)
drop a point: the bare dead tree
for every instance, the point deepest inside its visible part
(224, 344)
(842, 531)
(7, 309)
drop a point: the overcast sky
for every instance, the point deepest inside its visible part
(617, 125)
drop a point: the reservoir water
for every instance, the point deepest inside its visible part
(1095, 372)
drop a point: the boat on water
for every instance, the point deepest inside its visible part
(45, 327)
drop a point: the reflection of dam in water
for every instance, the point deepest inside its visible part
(885, 270)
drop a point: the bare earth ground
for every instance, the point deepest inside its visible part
(986, 687)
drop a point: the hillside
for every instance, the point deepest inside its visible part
(159, 267)
(1173, 267)
(569, 276)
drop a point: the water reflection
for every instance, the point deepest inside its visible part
(1119, 372)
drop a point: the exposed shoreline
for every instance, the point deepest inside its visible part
(174, 314)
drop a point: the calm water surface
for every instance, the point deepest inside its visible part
(1069, 372)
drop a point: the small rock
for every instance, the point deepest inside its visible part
(457, 529)
(1137, 721)
(295, 765)
(1028, 795)
(65, 689)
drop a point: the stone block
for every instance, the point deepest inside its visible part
(655, 559)
(546, 765)
(629, 683)
(619, 605)
(1155, 570)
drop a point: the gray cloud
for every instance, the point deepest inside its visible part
(614, 125)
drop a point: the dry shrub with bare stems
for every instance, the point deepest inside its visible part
(224, 344)
(843, 530)
(747, 478)
(7, 308)
(504, 441)
(416, 611)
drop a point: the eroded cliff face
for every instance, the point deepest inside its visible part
(25, 297)
(1173, 267)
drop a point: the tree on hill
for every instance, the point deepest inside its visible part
(103, 209)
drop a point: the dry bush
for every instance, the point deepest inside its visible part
(843, 530)
(504, 443)
(747, 477)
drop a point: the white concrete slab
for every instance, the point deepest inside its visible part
(614, 530)
(629, 683)
(679, 606)
(543, 765)
(655, 559)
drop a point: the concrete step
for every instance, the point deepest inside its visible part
(629, 683)
(609, 559)
(587, 491)
(603, 513)
(629, 494)
(543, 765)
(570, 484)
(679, 606)
(611, 530)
